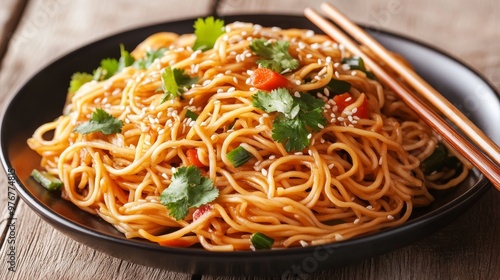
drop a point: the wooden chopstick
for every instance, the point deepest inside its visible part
(456, 140)
(419, 84)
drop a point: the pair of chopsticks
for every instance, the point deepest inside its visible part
(487, 166)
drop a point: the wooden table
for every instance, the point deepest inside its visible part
(35, 32)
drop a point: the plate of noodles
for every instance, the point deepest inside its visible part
(247, 145)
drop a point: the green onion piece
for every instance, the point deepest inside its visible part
(261, 241)
(357, 63)
(436, 161)
(239, 156)
(338, 86)
(49, 181)
(191, 115)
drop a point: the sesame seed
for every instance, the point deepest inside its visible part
(356, 221)
(272, 157)
(339, 237)
(390, 217)
(298, 82)
(263, 171)
(298, 153)
(331, 165)
(369, 207)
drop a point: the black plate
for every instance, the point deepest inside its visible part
(41, 100)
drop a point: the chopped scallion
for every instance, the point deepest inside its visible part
(49, 181)
(261, 241)
(435, 161)
(191, 115)
(239, 156)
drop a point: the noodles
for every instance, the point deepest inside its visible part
(357, 175)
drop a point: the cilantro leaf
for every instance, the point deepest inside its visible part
(109, 66)
(187, 189)
(291, 132)
(278, 100)
(174, 82)
(125, 58)
(275, 54)
(150, 57)
(101, 121)
(78, 79)
(207, 31)
(357, 63)
(297, 115)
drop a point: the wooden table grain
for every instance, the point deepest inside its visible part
(35, 32)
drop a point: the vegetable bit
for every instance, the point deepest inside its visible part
(100, 121)
(357, 63)
(188, 189)
(298, 115)
(49, 181)
(275, 54)
(239, 156)
(261, 241)
(439, 160)
(267, 79)
(175, 82)
(207, 31)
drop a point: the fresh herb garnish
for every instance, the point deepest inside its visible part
(338, 86)
(191, 115)
(357, 63)
(149, 58)
(297, 116)
(174, 82)
(78, 79)
(125, 58)
(101, 121)
(207, 31)
(275, 54)
(109, 66)
(187, 189)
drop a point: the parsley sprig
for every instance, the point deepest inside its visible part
(297, 116)
(187, 189)
(100, 121)
(275, 55)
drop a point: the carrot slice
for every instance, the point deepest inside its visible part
(267, 79)
(192, 155)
